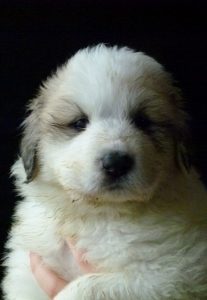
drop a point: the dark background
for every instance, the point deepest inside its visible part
(37, 36)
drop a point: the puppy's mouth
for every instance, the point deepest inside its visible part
(113, 184)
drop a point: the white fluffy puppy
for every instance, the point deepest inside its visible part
(104, 163)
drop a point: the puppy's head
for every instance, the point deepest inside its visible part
(109, 124)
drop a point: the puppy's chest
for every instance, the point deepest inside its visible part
(100, 243)
(100, 246)
(109, 242)
(98, 232)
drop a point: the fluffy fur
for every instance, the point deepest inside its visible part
(145, 231)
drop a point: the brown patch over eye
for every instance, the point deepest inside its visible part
(156, 131)
(141, 121)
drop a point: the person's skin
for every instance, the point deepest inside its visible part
(47, 279)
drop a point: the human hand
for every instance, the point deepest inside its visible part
(47, 279)
(50, 281)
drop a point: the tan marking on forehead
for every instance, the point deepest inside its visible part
(62, 111)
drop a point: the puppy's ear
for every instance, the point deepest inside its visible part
(183, 147)
(30, 139)
(183, 155)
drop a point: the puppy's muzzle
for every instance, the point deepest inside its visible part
(116, 164)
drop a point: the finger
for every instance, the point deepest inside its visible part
(79, 256)
(47, 279)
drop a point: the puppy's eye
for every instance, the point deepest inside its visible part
(79, 124)
(141, 121)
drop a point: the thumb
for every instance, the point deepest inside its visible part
(47, 279)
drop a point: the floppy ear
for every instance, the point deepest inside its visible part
(183, 147)
(30, 139)
(183, 155)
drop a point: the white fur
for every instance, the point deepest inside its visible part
(146, 238)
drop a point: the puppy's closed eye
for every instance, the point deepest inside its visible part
(141, 121)
(76, 125)
(79, 124)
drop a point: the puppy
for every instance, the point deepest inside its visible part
(104, 163)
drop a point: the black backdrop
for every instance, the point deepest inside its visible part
(36, 36)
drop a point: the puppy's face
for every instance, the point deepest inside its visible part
(106, 126)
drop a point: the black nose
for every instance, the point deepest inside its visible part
(117, 164)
